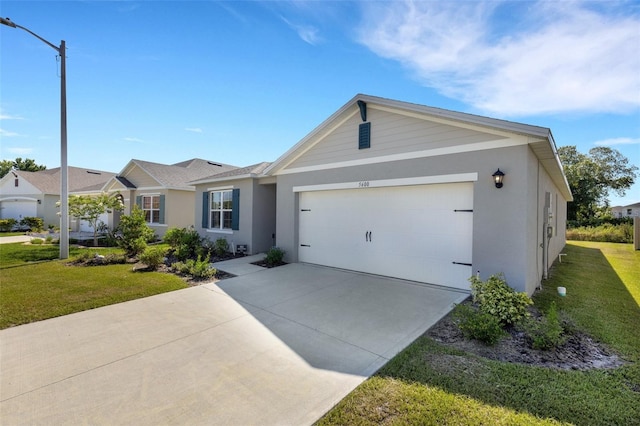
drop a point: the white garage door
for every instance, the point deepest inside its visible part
(18, 209)
(86, 226)
(420, 233)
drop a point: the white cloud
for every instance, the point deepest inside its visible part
(309, 34)
(4, 116)
(133, 140)
(618, 141)
(543, 57)
(8, 134)
(193, 129)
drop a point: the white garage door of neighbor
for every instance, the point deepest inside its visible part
(86, 226)
(18, 209)
(421, 233)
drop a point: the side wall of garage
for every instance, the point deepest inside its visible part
(500, 217)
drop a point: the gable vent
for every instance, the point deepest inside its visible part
(214, 164)
(93, 173)
(364, 136)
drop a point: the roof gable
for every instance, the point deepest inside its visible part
(144, 174)
(79, 179)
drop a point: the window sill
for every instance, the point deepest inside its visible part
(161, 225)
(220, 231)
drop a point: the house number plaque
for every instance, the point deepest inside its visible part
(363, 184)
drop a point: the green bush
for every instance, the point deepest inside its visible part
(7, 225)
(609, 233)
(221, 247)
(274, 256)
(36, 224)
(477, 325)
(37, 241)
(547, 332)
(496, 298)
(134, 233)
(186, 243)
(196, 268)
(153, 257)
(49, 239)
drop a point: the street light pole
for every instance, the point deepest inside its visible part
(64, 182)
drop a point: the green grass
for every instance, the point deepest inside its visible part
(34, 287)
(429, 383)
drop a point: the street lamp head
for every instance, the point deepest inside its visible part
(7, 22)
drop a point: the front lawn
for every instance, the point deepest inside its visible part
(430, 383)
(35, 287)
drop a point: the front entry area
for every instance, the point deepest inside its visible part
(416, 232)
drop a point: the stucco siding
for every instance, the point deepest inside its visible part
(499, 216)
(390, 134)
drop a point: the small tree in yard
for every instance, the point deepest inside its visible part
(85, 207)
(134, 233)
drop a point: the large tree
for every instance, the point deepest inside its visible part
(27, 165)
(89, 208)
(593, 176)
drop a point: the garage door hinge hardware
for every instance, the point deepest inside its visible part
(305, 245)
(468, 211)
(462, 263)
(305, 210)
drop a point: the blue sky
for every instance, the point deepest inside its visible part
(242, 82)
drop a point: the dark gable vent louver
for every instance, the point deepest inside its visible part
(214, 164)
(364, 136)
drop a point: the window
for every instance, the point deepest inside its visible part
(151, 208)
(629, 212)
(221, 209)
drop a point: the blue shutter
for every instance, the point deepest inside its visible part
(161, 209)
(139, 201)
(205, 210)
(364, 136)
(235, 212)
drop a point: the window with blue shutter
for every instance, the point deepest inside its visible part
(161, 215)
(205, 210)
(235, 209)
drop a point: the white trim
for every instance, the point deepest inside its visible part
(219, 231)
(18, 198)
(149, 194)
(220, 188)
(502, 143)
(422, 180)
(157, 225)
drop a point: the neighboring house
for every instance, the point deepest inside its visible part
(403, 190)
(632, 210)
(35, 194)
(162, 191)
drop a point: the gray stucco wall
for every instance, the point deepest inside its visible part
(257, 215)
(505, 220)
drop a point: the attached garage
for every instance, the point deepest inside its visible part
(415, 232)
(18, 209)
(408, 191)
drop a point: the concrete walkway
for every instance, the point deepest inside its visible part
(15, 239)
(275, 346)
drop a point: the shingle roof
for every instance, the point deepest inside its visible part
(79, 179)
(179, 175)
(254, 169)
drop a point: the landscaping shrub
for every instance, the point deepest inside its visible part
(199, 268)
(220, 247)
(274, 256)
(134, 233)
(547, 332)
(185, 243)
(477, 325)
(36, 224)
(7, 225)
(37, 241)
(153, 257)
(49, 239)
(621, 233)
(496, 298)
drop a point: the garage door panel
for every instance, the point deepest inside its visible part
(409, 232)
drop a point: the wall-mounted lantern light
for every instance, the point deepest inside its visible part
(39, 201)
(498, 176)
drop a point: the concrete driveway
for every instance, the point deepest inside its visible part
(271, 347)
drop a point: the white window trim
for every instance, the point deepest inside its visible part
(151, 215)
(211, 228)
